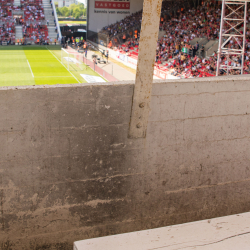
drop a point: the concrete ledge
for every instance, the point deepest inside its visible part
(212, 80)
(230, 232)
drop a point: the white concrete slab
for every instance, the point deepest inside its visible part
(229, 233)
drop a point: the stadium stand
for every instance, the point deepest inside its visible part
(187, 43)
(7, 25)
(24, 22)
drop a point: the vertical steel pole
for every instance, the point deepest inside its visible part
(244, 38)
(145, 68)
(227, 63)
(221, 37)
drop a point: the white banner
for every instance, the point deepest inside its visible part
(92, 79)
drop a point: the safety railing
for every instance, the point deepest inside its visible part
(56, 18)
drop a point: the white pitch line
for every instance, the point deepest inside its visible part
(63, 65)
(51, 76)
(30, 69)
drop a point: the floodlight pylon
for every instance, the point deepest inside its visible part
(232, 36)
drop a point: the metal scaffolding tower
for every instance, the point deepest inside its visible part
(232, 37)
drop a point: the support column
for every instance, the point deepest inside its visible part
(145, 68)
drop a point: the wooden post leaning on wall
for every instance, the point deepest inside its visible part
(145, 68)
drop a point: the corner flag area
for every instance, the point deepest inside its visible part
(33, 65)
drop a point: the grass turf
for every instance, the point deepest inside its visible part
(73, 22)
(36, 65)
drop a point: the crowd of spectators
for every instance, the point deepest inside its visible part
(122, 26)
(134, 20)
(34, 23)
(201, 22)
(7, 25)
(30, 15)
(174, 53)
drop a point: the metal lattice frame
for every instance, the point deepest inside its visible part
(233, 15)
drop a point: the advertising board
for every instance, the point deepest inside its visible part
(112, 5)
(104, 13)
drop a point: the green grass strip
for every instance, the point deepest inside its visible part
(37, 65)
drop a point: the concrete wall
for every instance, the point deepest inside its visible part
(68, 171)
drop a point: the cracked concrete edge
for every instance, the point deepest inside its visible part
(190, 235)
(171, 81)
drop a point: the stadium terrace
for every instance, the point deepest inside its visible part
(188, 41)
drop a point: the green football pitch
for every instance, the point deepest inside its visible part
(37, 65)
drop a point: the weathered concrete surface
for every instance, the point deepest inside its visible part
(145, 68)
(69, 172)
(213, 234)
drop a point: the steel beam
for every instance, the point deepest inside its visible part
(145, 68)
(233, 15)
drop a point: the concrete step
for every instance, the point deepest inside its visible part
(19, 32)
(17, 3)
(52, 35)
(48, 13)
(47, 9)
(52, 32)
(213, 48)
(193, 42)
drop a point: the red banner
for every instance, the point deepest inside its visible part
(111, 5)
